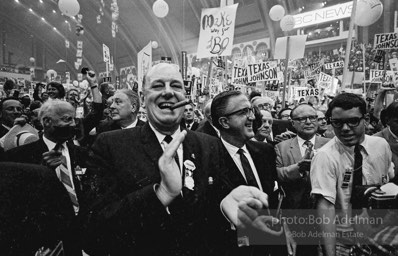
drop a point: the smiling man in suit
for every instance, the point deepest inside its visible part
(248, 162)
(137, 204)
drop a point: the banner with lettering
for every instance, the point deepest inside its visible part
(263, 71)
(274, 95)
(386, 41)
(334, 65)
(376, 76)
(217, 28)
(324, 80)
(239, 75)
(305, 92)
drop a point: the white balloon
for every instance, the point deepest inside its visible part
(277, 12)
(75, 83)
(368, 12)
(83, 84)
(69, 7)
(160, 8)
(51, 73)
(287, 23)
(31, 59)
(155, 44)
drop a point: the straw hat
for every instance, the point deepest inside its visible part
(20, 135)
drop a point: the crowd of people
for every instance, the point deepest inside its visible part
(103, 173)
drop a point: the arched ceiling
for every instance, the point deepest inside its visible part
(178, 31)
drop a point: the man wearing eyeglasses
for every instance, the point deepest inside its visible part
(248, 162)
(349, 160)
(293, 162)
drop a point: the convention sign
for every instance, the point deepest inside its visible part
(394, 69)
(334, 65)
(217, 28)
(263, 71)
(274, 95)
(305, 92)
(324, 80)
(386, 41)
(376, 76)
(144, 63)
(239, 75)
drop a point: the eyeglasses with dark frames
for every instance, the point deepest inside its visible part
(304, 119)
(244, 111)
(351, 122)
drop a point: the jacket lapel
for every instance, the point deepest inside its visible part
(150, 143)
(295, 150)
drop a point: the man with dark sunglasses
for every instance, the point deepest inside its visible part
(349, 160)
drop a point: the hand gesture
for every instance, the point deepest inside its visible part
(52, 158)
(171, 181)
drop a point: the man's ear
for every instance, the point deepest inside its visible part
(46, 122)
(224, 122)
(133, 108)
(366, 117)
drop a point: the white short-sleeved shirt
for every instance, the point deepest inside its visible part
(334, 159)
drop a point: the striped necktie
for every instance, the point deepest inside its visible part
(66, 179)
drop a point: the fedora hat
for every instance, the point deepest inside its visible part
(20, 135)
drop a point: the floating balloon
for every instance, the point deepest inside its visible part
(75, 83)
(69, 7)
(160, 8)
(277, 12)
(31, 59)
(51, 74)
(368, 12)
(83, 84)
(155, 44)
(287, 23)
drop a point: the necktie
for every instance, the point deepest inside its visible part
(188, 126)
(250, 179)
(168, 139)
(65, 178)
(357, 179)
(308, 150)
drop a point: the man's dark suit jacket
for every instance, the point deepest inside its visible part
(194, 127)
(207, 128)
(264, 159)
(3, 130)
(125, 217)
(112, 125)
(35, 210)
(33, 154)
(386, 134)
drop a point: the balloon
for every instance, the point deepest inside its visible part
(368, 12)
(287, 23)
(277, 12)
(31, 59)
(83, 84)
(75, 83)
(69, 7)
(155, 44)
(51, 72)
(160, 8)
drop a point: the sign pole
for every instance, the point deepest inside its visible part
(285, 73)
(349, 41)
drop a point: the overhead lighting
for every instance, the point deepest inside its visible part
(54, 11)
(30, 9)
(54, 28)
(17, 1)
(41, 1)
(43, 19)
(66, 21)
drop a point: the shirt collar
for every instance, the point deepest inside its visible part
(301, 140)
(161, 136)
(50, 144)
(232, 150)
(365, 145)
(132, 125)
